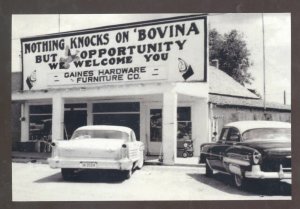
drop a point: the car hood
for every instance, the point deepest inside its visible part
(275, 148)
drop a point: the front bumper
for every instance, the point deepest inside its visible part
(122, 164)
(256, 173)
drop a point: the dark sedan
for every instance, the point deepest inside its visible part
(250, 150)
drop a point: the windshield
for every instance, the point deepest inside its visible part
(267, 133)
(106, 134)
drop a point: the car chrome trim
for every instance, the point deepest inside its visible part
(122, 164)
(211, 154)
(236, 161)
(223, 172)
(216, 169)
(235, 169)
(258, 174)
(208, 163)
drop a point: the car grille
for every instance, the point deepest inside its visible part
(273, 165)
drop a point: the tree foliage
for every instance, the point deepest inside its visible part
(232, 54)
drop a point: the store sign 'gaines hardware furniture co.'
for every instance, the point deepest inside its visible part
(170, 50)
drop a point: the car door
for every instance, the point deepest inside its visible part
(229, 137)
(216, 151)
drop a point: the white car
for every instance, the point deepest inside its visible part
(98, 147)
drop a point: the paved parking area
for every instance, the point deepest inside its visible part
(38, 182)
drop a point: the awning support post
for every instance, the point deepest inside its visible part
(57, 118)
(169, 127)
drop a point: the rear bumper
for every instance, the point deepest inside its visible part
(122, 164)
(256, 173)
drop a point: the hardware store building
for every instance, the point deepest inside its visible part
(144, 75)
(150, 76)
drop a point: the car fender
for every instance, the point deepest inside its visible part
(238, 155)
(204, 151)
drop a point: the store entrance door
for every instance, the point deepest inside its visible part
(154, 136)
(154, 130)
(75, 116)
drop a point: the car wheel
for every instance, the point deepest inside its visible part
(208, 171)
(68, 174)
(140, 162)
(128, 174)
(239, 181)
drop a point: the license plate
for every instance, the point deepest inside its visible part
(88, 164)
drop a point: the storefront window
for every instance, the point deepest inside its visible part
(76, 106)
(184, 124)
(155, 125)
(40, 120)
(117, 107)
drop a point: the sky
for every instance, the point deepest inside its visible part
(277, 28)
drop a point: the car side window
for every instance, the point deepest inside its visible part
(224, 134)
(233, 135)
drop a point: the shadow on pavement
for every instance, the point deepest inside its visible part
(53, 178)
(225, 183)
(87, 176)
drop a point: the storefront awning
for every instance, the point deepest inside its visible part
(196, 89)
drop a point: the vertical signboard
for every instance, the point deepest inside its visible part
(172, 49)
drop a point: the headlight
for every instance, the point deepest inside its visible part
(256, 157)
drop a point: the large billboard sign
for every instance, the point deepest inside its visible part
(172, 49)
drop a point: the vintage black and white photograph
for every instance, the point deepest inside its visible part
(138, 107)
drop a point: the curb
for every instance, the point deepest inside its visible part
(176, 164)
(29, 160)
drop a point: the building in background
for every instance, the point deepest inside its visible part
(229, 101)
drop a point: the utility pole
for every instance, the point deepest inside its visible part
(284, 97)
